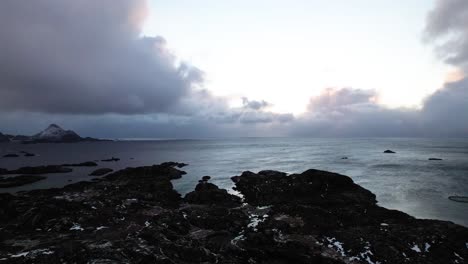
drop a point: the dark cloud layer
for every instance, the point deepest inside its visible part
(445, 113)
(85, 57)
(354, 112)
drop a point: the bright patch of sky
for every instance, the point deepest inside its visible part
(284, 52)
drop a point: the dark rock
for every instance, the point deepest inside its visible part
(135, 216)
(41, 170)
(7, 182)
(311, 186)
(206, 178)
(434, 159)
(174, 164)
(460, 199)
(90, 139)
(11, 155)
(389, 151)
(208, 193)
(343, 217)
(111, 159)
(83, 164)
(100, 172)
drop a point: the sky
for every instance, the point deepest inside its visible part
(197, 69)
(286, 51)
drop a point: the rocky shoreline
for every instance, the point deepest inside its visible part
(135, 216)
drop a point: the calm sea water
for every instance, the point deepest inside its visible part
(406, 181)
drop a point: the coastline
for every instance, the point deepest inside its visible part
(135, 215)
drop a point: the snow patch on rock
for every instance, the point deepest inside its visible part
(416, 248)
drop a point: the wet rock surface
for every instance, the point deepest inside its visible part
(135, 216)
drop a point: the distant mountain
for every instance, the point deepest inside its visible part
(18, 137)
(52, 134)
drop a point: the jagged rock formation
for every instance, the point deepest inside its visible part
(135, 216)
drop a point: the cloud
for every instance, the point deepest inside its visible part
(444, 112)
(67, 60)
(447, 28)
(86, 57)
(333, 100)
(84, 64)
(354, 112)
(255, 105)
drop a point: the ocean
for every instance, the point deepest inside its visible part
(405, 181)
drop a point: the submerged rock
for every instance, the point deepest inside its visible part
(135, 216)
(7, 182)
(389, 151)
(111, 159)
(83, 164)
(11, 155)
(460, 199)
(100, 172)
(174, 164)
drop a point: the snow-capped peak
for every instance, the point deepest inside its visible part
(55, 132)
